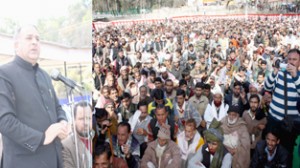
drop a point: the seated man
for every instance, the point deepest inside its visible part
(139, 122)
(269, 153)
(127, 108)
(256, 121)
(236, 137)
(213, 153)
(189, 141)
(170, 92)
(103, 127)
(161, 118)
(126, 147)
(158, 96)
(184, 110)
(199, 101)
(162, 153)
(216, 109)
(103, 157)
(81, 138)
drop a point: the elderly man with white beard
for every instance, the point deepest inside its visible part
(189, 141)
(162, 153)
(236, 138)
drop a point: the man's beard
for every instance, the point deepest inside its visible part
(253, 109)
(169, 91)
(84, 134)
(231, 122)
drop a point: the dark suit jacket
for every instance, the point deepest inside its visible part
(242, 107)
(28, 107)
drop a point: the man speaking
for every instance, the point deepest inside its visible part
(31, 120)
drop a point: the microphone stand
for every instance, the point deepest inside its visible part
(71, 104)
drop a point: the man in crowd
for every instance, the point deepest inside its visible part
(237, 98)
(139, 122)
(236, 138)
(79, 140)
(275, 83)
(126, 147)
(161, 118)
(213, 153)
(127, 108)
(199, 101)
(103, 156)
(98, 77)
(184, 110)
(170, 92)
(255, 119)
(124, 78)
(189, 141)
(31, 126)
(158, 96)
(142, 96)
(269, 152)
(162, 153)
(217, 109)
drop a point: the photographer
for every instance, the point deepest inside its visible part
(275, 83)
(103, 132)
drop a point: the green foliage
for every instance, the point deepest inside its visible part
(125, 7)
(8, 26)
(72, 30)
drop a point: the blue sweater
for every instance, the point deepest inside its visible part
(275, 83)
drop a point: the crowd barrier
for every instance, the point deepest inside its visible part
(100, 25)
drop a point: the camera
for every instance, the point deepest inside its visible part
(281, 64)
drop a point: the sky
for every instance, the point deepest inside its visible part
(29, 11)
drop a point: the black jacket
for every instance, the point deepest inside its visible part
(260, 158)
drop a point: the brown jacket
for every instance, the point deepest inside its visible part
(253, 129)
(241, 158)
(172, 151)
(69, 153)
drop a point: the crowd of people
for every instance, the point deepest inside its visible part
(206, 93)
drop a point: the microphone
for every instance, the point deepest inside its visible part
(55, 75)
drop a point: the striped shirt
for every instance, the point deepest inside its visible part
(275, 84)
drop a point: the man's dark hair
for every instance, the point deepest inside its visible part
(237, 83)
(199, 85)
(207, 86)
(261, 73)
(142, 103)
(158, 79)
(158, 94)
(125, 95)
(294, 50)
(152, 72)
(241, 68)
(125, 124)
(263, 62)
(275, 132)
(254, 96)
(101, 113)
(185, 73)
(161, 106)
(182, 82)
(81, 104)
(103, 149)
(191, 121)
(180, 92)
(168, 80)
